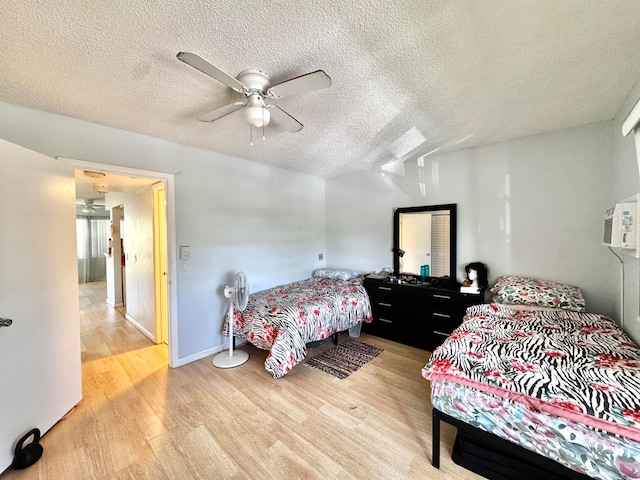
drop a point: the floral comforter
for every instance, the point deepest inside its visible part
(578, 366)
(285, 318)
(584, 449)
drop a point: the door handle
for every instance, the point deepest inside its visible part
(5, 322)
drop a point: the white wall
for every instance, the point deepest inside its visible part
(626, 182)
(139, 265)
(235, 214)
(138, 246)
(530, 206)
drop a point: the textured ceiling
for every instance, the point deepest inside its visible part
(408, 76)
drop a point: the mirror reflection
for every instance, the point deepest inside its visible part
(424, 241)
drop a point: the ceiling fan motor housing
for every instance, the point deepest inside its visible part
(254, 79)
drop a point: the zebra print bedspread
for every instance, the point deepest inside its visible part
(579, 366)
(285, 318)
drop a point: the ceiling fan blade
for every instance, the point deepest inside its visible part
(282, 118)
(221, 112)
(205, 67)
(304, 83)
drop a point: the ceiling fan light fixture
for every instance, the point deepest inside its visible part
(257, 116)
(100, 188)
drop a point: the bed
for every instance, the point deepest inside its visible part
(284, 319)
(536, 373)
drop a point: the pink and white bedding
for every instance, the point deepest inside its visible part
(584, 449)
(285, 318)
(540, 369)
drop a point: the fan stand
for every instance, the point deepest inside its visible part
(230, 359)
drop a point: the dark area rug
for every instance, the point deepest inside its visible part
(344, 359)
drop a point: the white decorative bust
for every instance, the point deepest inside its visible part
(474, 287)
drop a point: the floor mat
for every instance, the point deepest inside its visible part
(344, 359)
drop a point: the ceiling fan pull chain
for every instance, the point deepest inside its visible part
(263, 121)
(251, 135)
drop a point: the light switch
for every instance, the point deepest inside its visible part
(185, 253)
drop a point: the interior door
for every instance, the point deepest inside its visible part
(40, 365)
(160, 263)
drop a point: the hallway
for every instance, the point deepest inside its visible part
(104, 330)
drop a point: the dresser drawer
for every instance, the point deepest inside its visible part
(447, 303)
(437, 338)
(394, 297)
(445, 326)
(387, 290)
(382, 303)
(385, 326)
(445, 319)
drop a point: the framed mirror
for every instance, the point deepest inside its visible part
(424, 241)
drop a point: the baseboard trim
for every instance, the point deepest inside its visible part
(144, 331)
(205, 353)
(113, 305)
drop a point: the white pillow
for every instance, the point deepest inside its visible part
(336, 273)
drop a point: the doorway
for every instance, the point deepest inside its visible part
(160, 271)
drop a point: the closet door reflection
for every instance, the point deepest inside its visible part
(415, 241)
(425, 240)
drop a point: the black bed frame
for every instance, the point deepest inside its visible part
(334, 339)
(495, 458)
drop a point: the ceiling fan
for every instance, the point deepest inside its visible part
(255, 85)
(89, 206)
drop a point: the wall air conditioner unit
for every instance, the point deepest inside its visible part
(620, 229)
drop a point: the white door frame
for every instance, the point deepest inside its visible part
(169, 179)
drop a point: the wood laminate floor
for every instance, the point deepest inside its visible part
(141, 420)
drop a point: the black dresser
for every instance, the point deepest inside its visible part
(419, 315)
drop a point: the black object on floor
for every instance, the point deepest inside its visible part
(27, 455)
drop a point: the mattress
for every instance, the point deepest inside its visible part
(559, 383)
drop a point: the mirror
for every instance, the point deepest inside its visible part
(424, 239)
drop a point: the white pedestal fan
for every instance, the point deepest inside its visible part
(238, 296)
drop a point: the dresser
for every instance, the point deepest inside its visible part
(415, 314)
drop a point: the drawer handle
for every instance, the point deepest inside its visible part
(384, 320)
(441, 315)
(384, 288)
(437, 332)
(443, 297)
(382, 304)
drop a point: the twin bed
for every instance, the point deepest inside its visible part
(539, 372)
(284, 319)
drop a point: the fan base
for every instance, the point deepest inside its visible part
(224, 360)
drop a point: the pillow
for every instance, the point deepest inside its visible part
(517, 290)
(336, 274)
